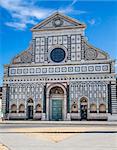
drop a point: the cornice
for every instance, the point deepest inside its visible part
(58, 28)
(82, 62)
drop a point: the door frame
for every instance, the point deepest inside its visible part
(30, 104)
(84, 103)
(50, 114)
(29, 113)
(48, 100)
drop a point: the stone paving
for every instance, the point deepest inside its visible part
(58, 122)
(53, 137)
(57, 137)
(65, 129)
(81, 141)
(3, 147)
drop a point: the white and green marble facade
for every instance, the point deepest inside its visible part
(85, 72)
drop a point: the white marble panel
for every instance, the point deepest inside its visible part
(68, 69)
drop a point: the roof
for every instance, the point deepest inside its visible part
(74, 23)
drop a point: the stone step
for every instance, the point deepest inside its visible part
(114, 107)
(114, 112)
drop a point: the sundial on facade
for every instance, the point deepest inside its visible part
(57, 22)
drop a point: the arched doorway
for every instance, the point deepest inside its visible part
(56, 102)
(56, 98)
(83, 108)
(30, 109)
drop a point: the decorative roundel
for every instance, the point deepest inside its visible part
(57, 22)
(57, 55)
(90, 54)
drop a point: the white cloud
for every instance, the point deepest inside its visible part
(26, 12)
(116, 63)
(16, 25)
(95, 21)
(116, 66)
(23, 13)
(70, 9)
(92, 21)
(74, 1)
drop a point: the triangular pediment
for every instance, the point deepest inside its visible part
(24, 57)
(58, 20)
(93, 53)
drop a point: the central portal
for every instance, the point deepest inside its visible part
(57, 110)
(56, 103)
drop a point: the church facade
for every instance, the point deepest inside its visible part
(60, 76)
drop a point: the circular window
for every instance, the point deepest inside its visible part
(57, 55)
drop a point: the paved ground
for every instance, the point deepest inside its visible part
(58, 136)
(3, 147)
(81, 141)
(69, 127)
(42, 124)
(57, 122)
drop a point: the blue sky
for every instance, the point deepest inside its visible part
(18, 16)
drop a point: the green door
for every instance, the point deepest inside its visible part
(56, 110)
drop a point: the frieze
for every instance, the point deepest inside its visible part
(69, 69)
(55, 33)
